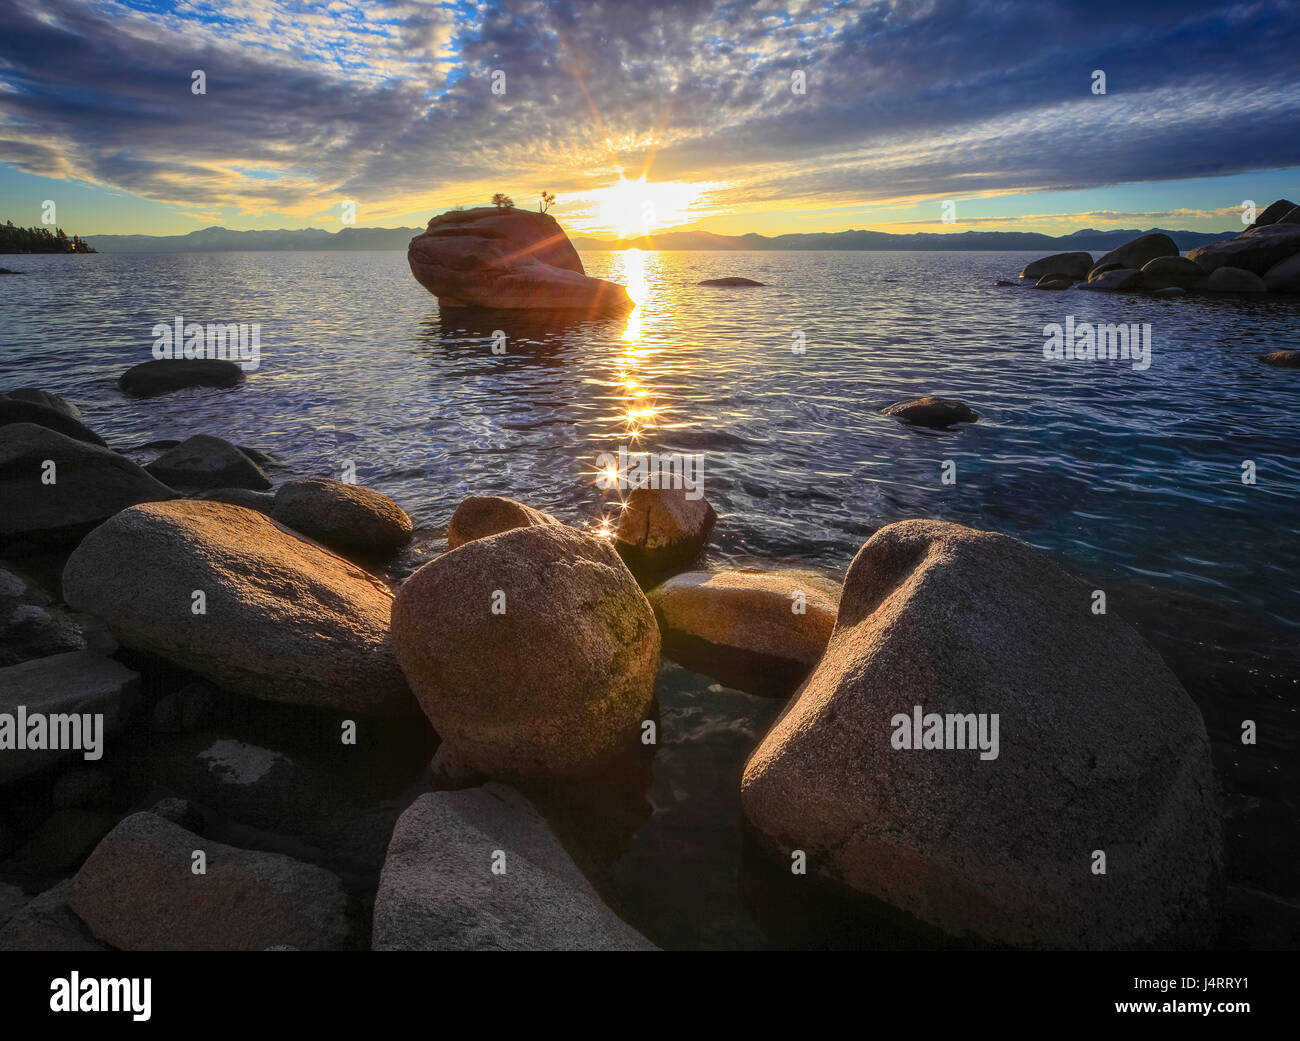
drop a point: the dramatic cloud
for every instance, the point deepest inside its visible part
(391, 103)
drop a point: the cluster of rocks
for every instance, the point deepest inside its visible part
(1264, 258)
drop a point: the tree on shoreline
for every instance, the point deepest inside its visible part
(14, 239)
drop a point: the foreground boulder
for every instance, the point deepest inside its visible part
(151, 378)
(757, 631)
(486, 257)
(1172, 272)
(1074, 266)
(1256, 249)
(353, 520)
(662, 530)
(994, 832)
(482, 515)
(1136, 253)
(1234, 280)
(532, 652)
(282, 618)
(87, 692)
(438, 891)
(20, 410)
(44, 397)
(203, 461)
(55, 488)
(136, 892)
(938, 413)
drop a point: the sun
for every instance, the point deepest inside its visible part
(640, 207)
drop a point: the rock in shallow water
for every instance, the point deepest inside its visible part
(662, 530)
(1136, 253)
(347, 518)
(730, 280)
(756, 631)
(532, 652)
(1282, 359)
(55, 488)
(1072, 265)
(1098, 748)
(137, 892)
(485, 257)
(203, 461)
(283, 619)
(151, 378)
(482, 515)
(938, 413)
(1234, 280)
(23, 410)
(1170, 272)
(438, 891)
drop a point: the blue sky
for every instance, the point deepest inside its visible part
(908, 104)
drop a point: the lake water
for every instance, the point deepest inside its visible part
(1130, 478)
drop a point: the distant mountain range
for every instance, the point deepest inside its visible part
(215, 240)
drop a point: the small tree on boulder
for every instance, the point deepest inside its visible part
(545, 204)
(503, 202)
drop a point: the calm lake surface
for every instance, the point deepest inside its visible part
(1132, 479)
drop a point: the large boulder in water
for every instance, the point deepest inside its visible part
(1072, 265)
(995, 832)
(1256, 250)
(532, 652)
(487, 257)
(1136, 253)
(662, 530)
(482, 515)
(1234, 280)
(760, 631)
(283, 619)
(1172, 272)
(936, 413)
(352, 520)
(438, 891)
(151, 378)
(55, 488)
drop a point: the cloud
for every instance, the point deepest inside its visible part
(390, 102)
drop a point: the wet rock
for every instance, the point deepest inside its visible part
(1054, 282)
(756, 631)
(86, 485)
(938, 413)
(1074, 266)
(20, 410)
(284, 619)
(1136, 253)
(208, 462)
(533, 653)
(482, 515)
(151, 378)
(137, 892)
(662, 530)
(347, 518)
(730, 280)
(1282, 359)
(510, 259)
(77, 684)
(1234, 280)
(1098, 747)
(438, 891)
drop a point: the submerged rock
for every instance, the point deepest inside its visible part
(939, 413)
(662, 530)
(151, 378)
(280, 618)
(203, 461)
(1072, 265)
(730, 280)
(137, 892)
(759, 631)
(55, 488)
(438, 891)
(482, 515)
(486, 257)
(1060, 737)
(1282, 359)
(532, 652)
(352, 520)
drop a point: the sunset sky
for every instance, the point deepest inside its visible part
(391, 105)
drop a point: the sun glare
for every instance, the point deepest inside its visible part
(640, 207)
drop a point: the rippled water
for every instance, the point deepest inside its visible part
(1132, 478)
